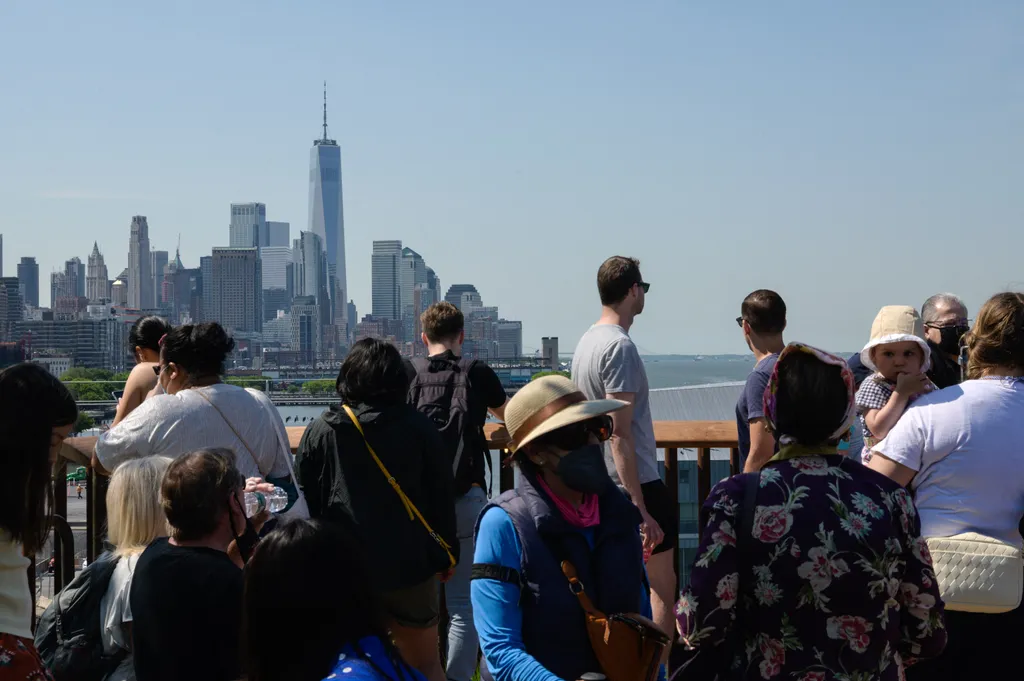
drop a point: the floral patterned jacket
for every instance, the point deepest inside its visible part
(837, 582)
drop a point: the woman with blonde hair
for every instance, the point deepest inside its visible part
(134, 519)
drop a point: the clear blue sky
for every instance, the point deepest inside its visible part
(848, 155)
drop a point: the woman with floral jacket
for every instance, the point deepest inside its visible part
(832, 580)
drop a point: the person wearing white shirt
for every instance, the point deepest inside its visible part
(199, 411)
(36, 413)
(959, 451)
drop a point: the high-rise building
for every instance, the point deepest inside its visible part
(248, 225)
(306, 335)
(510, 339)
(119, 293)
(1, 255)
(275, 266)
(97, 290)
(455, 291)
(28, 281)
(275, 300)
(60, 287)
(158, 266)
(278, 234)
(326, 210)
(414, 273)
(140, 274)
(12, 307)
(74, 279)
(206, 274)
(308, 265)
(386, 283)
(236, 289)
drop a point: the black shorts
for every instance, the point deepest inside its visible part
(660, 507)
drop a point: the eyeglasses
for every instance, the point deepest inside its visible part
(949, 325)
(156, 369)
(576, 435)
(739, 322)
(644, 285)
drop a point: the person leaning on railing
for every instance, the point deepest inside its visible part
(814, 567)
(310, 577)
(144, 342)
(565, 507)
(959, 451)
(36, 413)
(201, 411)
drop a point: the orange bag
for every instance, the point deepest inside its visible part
(628, 646)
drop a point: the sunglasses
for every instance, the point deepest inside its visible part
(156, 369)
(644, 285)
(959, 323)
(576, 435)
(739, 322)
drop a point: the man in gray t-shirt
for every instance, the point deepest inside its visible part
(606, 364)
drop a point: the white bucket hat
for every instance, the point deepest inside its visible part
(896, 324)
(547, 404)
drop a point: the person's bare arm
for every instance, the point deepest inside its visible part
(141, 382)
(896, 472)
(624, 456)
(762, 446)
(881, 421)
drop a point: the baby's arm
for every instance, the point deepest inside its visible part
(881, 421)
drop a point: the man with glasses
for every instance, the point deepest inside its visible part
(945, 324)
(763, 319)
(606, 364)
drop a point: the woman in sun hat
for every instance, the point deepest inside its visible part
(564, 507)
(814, 568)
(900, 357)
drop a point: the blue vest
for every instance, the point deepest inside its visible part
(554, 627)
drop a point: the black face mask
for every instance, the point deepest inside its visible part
(950, 339)
(584, 470)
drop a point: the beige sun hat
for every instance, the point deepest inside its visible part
(547, 404)
(896, 324)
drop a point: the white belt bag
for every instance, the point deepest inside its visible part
(978, 573)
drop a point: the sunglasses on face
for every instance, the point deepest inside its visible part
(576, 435)
(955, 324)
(156, 369)
(739, 322)
(644, 285)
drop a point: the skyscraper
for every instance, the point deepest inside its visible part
(278, 234)
(1, 255)
(248, 225)
(28, 281)
(140, 274)
(158, 266)
(236, 289)
(326, 213)
(97, 289)
(275, 266)
(414, 273)
(308, 264)
(386, 283)
(455, 291)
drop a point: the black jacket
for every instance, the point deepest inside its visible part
(343, 484)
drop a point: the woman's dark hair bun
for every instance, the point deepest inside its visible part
(199, 349)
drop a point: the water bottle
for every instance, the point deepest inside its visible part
(273, 501)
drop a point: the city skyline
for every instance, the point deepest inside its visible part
(813, 150)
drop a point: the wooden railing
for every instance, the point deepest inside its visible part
(671, 436)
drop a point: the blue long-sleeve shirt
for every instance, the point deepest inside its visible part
(498, 617)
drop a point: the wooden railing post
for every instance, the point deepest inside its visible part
(703, 478)
(672, 482)
(734, 461)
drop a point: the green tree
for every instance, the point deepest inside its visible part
(540, 374)
(319, 387)
(256, 382)
(91, 385)
(84, 422)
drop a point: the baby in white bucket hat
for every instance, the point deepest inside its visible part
(900, 356)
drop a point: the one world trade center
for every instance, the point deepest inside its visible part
(327, 219)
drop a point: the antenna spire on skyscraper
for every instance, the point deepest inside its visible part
(325, 110)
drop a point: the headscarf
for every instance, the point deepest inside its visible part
(771, 392)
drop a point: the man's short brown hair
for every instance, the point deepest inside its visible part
(765, 311)
(442, 322)
(616, 277)
(195, 491)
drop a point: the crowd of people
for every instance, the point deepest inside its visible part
(863, 480)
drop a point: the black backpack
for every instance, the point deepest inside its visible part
(441, 390)
(68, 634)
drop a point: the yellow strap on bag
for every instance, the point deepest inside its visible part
(406, 501)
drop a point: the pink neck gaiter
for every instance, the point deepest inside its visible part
(587, 515)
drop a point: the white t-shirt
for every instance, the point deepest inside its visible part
(966, 443)
(172, 425)
(15, 596)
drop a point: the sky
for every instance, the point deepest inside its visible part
(846, 155)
